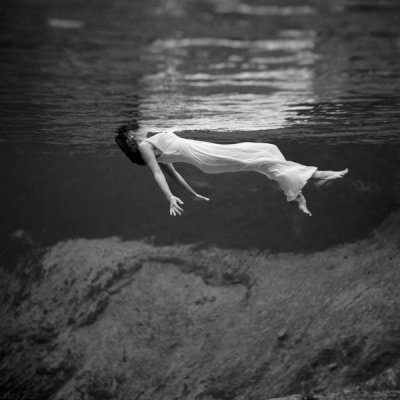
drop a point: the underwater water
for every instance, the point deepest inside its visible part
(319, 79)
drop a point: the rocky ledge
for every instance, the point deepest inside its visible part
(112, 319)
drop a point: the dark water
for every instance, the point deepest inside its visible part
(321, 80)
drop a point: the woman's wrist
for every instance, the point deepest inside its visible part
(171, 197)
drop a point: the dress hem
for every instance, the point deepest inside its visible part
(292, 197)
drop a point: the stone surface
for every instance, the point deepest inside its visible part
(347, 395)
(108, 319)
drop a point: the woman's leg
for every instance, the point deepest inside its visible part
(301, 201)
(319, 178)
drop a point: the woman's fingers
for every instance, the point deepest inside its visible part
(200, 197)
(175, 209)
(175, 206)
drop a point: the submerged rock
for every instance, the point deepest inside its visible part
(112, 319)
(346, 395)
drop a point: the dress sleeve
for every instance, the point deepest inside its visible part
(161, 141)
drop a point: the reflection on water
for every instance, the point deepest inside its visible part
(235, 7)
(315, 73)
(200, 66)
(225, 84)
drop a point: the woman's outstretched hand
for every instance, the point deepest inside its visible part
(200, 197)
(174, 207)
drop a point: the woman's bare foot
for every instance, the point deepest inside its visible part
(301, 201)
(322, 177)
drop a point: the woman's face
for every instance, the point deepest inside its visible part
(135, 135)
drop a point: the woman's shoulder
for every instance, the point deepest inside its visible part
(162, 140)
(167, 132)
(162, 136)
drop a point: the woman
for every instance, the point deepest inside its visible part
(160, 151)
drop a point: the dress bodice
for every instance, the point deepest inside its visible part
(168, 144)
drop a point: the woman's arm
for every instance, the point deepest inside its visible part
(147, 153)
(177, 177)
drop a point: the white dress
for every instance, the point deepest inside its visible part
(213, 158)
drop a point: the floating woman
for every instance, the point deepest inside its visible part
(160, 151)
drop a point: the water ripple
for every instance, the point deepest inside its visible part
(227, 70)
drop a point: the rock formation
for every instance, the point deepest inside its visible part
(111, 319)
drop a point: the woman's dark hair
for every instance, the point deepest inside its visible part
(129, 145)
